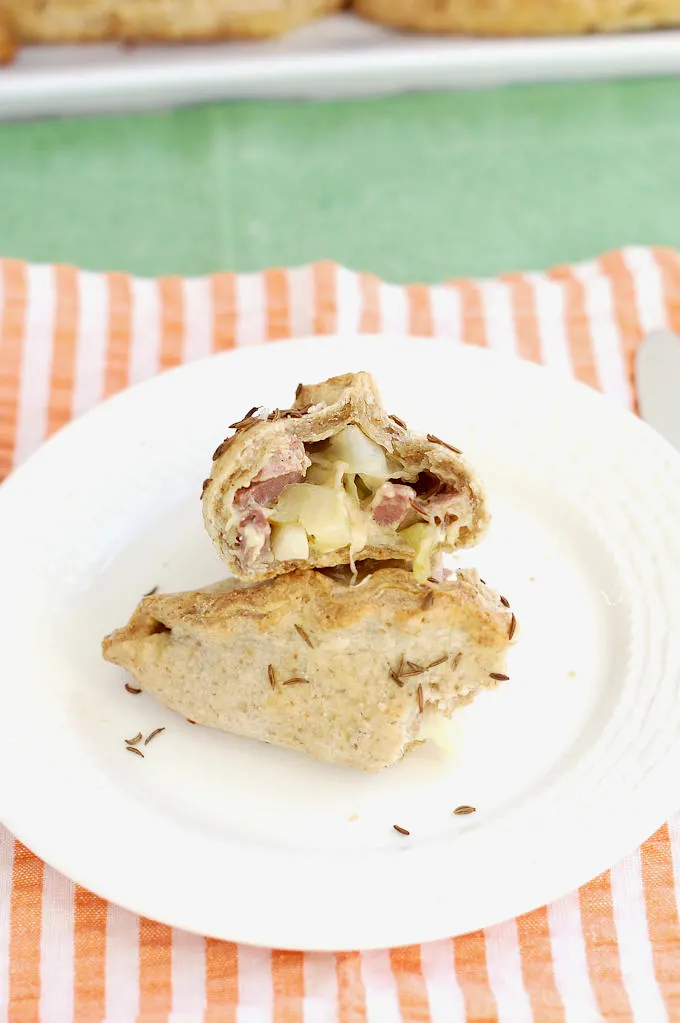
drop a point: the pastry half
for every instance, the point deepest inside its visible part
(351, 672)
(521, 17)
(66, 21)
(334, 480)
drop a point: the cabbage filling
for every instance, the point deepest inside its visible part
(354, 494)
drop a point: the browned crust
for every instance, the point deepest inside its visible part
(63, 21)
(521, 17)
(391, 593)
(351, 398)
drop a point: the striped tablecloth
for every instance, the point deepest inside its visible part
(610, 951)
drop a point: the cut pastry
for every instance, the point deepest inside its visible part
(61, 21)
(335, 480)
(522, 17)
(349, 671)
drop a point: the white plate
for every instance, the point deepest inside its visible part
(571, 764)
(333, 57)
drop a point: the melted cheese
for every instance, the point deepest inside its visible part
(440, 730)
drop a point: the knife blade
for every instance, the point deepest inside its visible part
(657, 373)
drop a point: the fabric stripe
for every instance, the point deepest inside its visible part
(89, 950)
(411, 988)
(393, 309)
(256, 993)
(369, 287)
(223, 293)
(538, 969)
(321, 988)
(349, 301)
(624, 312)
(221, 981)
(551, 323)
(325, 298)
(382, 999)
(188, 976)
(674, 840)
(523, 307)
(671, 981)
(447, 313)
(670, 268)
(25, 935)
(122, 965)
(171, 300)
(569, 958)
(6, 864)
(12, 325)
(505, 974)
(469, 954)
(288, 982)
(56, 958)
(472, 310)
(605, 342)
(300, 291)
(648, 287)
(197, 302)
(660, 895)
(155, 970)
(146, 330)
(36, 362)
(250, 310)
(277, 307)
(420, 320)
(635, 950)
(602, 950)
(498, 315)
(92, 339)
(63, 370)
(578, 326)
(444, 994)
(117, 374)
(351, 993)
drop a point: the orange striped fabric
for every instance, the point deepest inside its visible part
(89, 966)
(610, 952)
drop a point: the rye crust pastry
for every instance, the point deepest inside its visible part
(76, 21)
(335, 480)
(522, 17)
(351, 672)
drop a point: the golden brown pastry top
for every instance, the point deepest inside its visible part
(70, 21)
(330, 599)
(521, 17)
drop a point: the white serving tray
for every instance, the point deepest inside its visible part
(334, 57)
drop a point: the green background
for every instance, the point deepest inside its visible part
(416, 187)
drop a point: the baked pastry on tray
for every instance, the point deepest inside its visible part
(521, 17)
(349, 670)
(334, 480)
(66, 21)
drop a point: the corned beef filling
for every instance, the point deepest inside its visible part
(344, 492)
